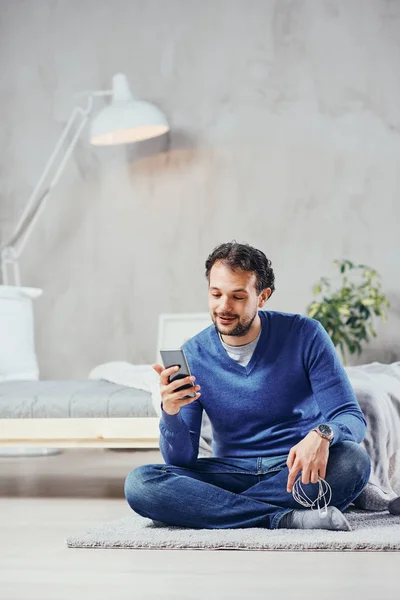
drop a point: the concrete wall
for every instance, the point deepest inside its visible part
(285, 119)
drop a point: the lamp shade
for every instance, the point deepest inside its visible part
(126, 120)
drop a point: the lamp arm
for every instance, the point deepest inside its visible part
(13, 248)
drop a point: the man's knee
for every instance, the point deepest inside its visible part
(137, 485)
(352, 459)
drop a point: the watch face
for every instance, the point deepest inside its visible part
(325, 429)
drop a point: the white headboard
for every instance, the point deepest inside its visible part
(175, 328)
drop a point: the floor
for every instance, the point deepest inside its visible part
(45, 499)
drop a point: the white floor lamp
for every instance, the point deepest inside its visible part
(124, 120)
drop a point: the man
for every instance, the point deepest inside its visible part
(281, 407)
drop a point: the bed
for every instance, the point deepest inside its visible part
(108, 410)
(89, 413)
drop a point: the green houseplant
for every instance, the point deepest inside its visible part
(349, 311)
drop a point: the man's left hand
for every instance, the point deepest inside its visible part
(309, 456)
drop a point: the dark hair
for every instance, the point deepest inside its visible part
(246, 258)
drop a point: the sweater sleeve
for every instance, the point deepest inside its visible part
(180, 435)
(332, 389)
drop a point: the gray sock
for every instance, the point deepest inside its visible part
(394, 506)
(310, 519)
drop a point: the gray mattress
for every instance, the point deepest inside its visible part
(76, 399)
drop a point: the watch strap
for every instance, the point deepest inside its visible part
(324, 435)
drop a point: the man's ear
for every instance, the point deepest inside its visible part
(265, 294)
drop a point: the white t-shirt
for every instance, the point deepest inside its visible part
(241, 354)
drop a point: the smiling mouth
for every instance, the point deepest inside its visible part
(227, 320)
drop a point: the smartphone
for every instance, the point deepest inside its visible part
(172, 358)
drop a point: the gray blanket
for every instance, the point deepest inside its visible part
(377, 387)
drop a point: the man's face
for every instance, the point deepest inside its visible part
(232, 299)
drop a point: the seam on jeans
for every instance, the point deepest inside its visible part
(272, 470)
(211, 472)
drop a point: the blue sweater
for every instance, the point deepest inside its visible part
(293, 382)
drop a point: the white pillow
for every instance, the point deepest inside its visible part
(17, 348)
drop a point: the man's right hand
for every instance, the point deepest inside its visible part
(172, 401)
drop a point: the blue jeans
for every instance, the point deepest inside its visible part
(228, 493)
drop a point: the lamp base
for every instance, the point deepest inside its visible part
(22, 452)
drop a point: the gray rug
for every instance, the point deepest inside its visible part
(371, 531)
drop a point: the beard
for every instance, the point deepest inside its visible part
(240, 329)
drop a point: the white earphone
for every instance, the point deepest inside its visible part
(324, 493)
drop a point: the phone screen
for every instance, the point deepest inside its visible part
(172, 358)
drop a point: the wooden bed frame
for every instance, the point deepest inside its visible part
(109, 432)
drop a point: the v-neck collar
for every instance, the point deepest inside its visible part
(231, 364)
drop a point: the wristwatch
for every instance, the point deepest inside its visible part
(325, 431)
